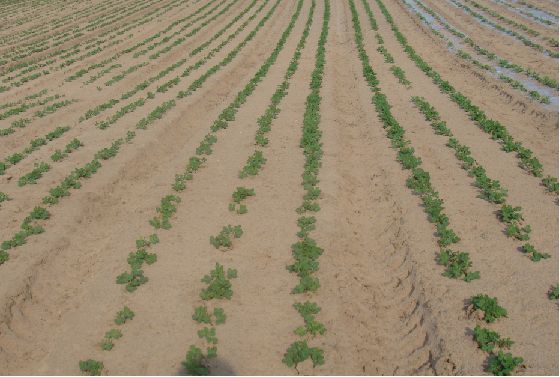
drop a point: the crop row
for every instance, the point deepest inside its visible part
(306, 252)
(163, 88)
(525, 13)
(494, 128)
(73, 180)
(62, 190)
(182, 39)
(499, 363)
(103, 72)
(42, 29)
(42, 167)
(45, 111)
(18, 15)
(131, 107)
(500, 63)
(196, 84)
(19, 55)
(34, 64)
(539, 8)
(199, 364)
(526, 41)
(93, 367)
(458, 264)
(24, 100)
(397, 71)
(26, 106)
(491, 190)
(125, 73)
(218, 280)
(34, 145)
(23, 50)
(509, 21)
(169, 202)
(167, 29)
(123, 30)
(195, 364)
(543, 79)
(21, 37)
(143, 85)
(185, 27)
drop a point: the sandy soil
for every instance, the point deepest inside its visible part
(384, 302)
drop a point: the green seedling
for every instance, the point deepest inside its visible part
(534, 254)
(254, 163)
(124, 315)
(488, 340)
(510, 215)
(166, 209)
(224, 238)
(220, 316)
(240, 194)
(34, 175)
(492, 311)
(518, 232)
(553, 293)
(458, 265)
(399, 74)
(91, 367)
(551, 183)
(219, 285)
(110, 335)
(132, 279)
(211, 352)
(299, 351)
(308, 310)
(208, 333)
(4, 197)
(503, 364)
(201, 315)
(195, 362)
(141, 256)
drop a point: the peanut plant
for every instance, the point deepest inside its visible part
(489, 306)
(491, 190)
(218, 283)
(239, 195)
(91, 367)
(254, 163)
(458, 263)
(488, 340)
(305, 252)
(224, 238)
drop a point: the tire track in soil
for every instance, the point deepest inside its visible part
(510, 274)
(373, 303)
(386, 306)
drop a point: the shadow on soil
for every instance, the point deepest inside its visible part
(218, 367)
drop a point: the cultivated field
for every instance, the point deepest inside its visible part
(279, 187)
